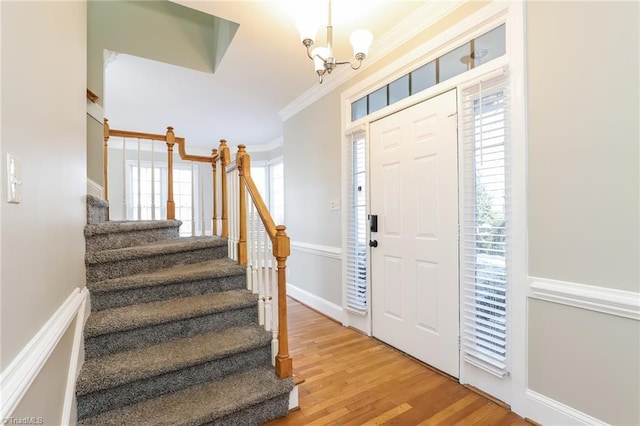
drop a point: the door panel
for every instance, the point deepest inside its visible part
(414, 269)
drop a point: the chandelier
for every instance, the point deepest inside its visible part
(323, 60)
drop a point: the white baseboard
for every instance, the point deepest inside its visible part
(316, 302)
(551, 412)
(16, 379)
(95, 189)
(600, 299)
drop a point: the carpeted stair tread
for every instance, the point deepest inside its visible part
(175, 245)
(211, 269)
(128, 226)
(203, 403)
(125, 367)
(147, 314)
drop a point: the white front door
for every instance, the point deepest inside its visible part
(414, 268)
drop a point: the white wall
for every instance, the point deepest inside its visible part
(44, 126)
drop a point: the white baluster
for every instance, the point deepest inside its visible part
(260, 271)
(153, 181)
(125, 212)
(267, 281)
(203, 223)
(249, 239)
(139, 184)
(274, 302)
(193, 201)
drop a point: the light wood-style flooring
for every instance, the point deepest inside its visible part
(352, 379)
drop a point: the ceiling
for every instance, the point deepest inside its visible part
(263, 70)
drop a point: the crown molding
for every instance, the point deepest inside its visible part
(409, 27)
(276, 143)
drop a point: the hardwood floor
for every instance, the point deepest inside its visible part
(352, 379)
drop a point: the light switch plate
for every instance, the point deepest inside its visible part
(334, 205)
(14, 185)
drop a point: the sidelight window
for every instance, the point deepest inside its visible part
(485, 257)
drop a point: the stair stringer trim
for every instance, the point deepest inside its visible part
(17, 378)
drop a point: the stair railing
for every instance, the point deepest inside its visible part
(256, 241)
(171, 141)
(241, 216)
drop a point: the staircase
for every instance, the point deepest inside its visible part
(173, 335)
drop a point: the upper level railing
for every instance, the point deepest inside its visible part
(239, 214)
(151, 140)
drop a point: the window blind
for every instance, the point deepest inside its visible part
(485, 229)
(356, 224)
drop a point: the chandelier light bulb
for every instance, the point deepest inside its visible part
(361, 42)
(308, 28)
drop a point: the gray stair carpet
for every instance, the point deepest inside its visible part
(180, 281)
(113, 235)
(223, 402)
(97, 210)
(173, 335)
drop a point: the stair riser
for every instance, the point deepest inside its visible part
(121, 268)
(141, 337)
(102, 401)
(258, 414)
(128, 239)
(116, 299)
(97, 213)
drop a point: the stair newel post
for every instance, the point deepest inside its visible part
(214, 190)
(244, 164)
(223, 152)
(281, 251)
(105, 162)
(171, 206)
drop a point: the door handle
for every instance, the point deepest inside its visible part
(373, 243)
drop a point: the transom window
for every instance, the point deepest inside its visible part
(475, 52)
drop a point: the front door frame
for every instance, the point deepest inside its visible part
(492, 15)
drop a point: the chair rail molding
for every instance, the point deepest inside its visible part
(610, 301)
(318, 249)
(16, 379)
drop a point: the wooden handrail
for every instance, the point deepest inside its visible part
(281, 250)
(244, 166)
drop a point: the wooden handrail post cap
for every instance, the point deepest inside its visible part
(171, 137)
(282, 250)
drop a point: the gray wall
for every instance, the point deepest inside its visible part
(583, 142)
(583, 203)
(312, 164)
(586, 360)
(583, 194)
(44, 126)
